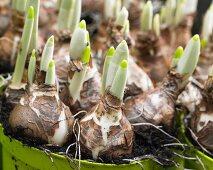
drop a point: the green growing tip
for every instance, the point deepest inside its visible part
(82, 24)
(124, 64)
(33, 53)
(196, 37)
(111, 51)
(178, 52)
(203, 43)
(86, 55)
(51, 39)
(51, 64)
(30, 13)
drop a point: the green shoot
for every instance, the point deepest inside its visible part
(108, 6)
(189, 59)
(34, 39)
(121, 53)
(58, 4)
(31, 68)
(50, 76)
(156, 25)
(203, 43)
(176, 57)
(47, 54)
(76, 83)
(64, 13)
(20, 5)
(211, 71)
(117, 8)
(119, 83)
(79, 41)
(14, 4)
(179, 12)
(170, 11)
(207, 27)
(86, 55)
(126, 29)
(163, 14)
(75, 15)
(108, 58)
(122, 17)
(23, 51)
(146, 17)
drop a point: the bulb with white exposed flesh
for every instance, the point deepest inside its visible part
(40, 114)
(157, 106)
(105, 131)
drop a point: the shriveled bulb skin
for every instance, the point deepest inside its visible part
(202, 120)
(156, 106)
(105, 131)
(41, 115)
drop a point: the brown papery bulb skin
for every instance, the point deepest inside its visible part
(156, 106)
(41, 115)
(105, 131)
(202, 120)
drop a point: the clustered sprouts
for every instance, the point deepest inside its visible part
(148, 23)
(69, 15)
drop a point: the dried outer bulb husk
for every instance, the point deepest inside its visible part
(156, 106)
(40, 114)
(191, 97)
(202, 119)
(105, 130)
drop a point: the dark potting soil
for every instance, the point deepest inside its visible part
(148, 144)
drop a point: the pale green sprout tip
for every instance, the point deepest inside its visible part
(50, 74)
(118, 86)
(178, 52)
(82, 24)
(31, 68)
(170, 11)
(79, 41)
(20, 5)
(30, 14)
(124, 64)
(122, 17)
(188, 62)
(176, 56)
(163, 14)
(156, 25)
(108, 58)
(117, 8)
(86, 55)
(146, 18)
(121, 53)
(203, 43)
(47, 54)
